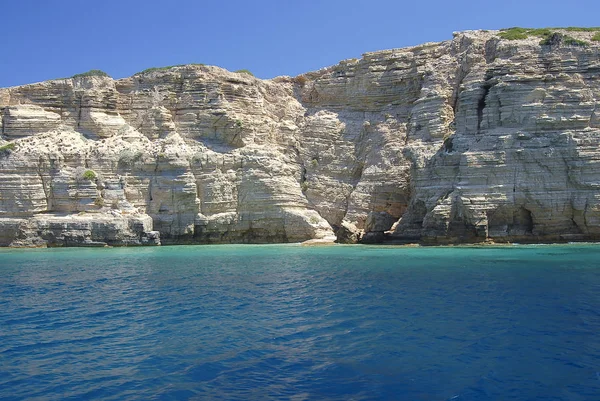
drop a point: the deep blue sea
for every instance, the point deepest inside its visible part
(285, 322)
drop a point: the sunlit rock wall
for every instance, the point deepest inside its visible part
(469, 140)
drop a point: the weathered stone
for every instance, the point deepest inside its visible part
(347, 233)
(469, 140)
(379, 221)
(87, 229)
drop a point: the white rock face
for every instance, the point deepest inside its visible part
(469, 140)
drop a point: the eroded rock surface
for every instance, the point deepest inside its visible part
(468, 140)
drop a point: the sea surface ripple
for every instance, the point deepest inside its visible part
(295, 323)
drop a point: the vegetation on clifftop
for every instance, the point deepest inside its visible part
(523, 33)
(566, 39)
(574, 42)
(154, 69)
(244, 72)
(7, 148)
(91, 73)
(89, 175)
(548, 35)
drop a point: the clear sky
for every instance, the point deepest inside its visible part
(45, 39)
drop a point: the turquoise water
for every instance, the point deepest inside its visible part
(298, 323)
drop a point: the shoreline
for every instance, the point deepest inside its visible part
(315, 245)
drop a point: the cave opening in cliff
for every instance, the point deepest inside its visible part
(448, 145)
(481, 105)
(524, 220)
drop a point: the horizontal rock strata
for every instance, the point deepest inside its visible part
(469, 140)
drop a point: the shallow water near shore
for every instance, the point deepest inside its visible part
(302, 323)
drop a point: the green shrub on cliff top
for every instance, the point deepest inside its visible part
(154, 69)
(570, 41)
(523, 33)
(544, 33)
(7, 148)
(596, 37)
(581, 29)
(89, 175)
(91, 73)
(564, 39)
(244, 72)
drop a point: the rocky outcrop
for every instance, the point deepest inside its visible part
(474, 139)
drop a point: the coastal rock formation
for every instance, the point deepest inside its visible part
(475, 139)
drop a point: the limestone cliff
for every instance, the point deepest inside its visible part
(473, 139)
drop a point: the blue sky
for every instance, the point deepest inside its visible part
(45, 39)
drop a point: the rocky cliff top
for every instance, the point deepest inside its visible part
(490, 136)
